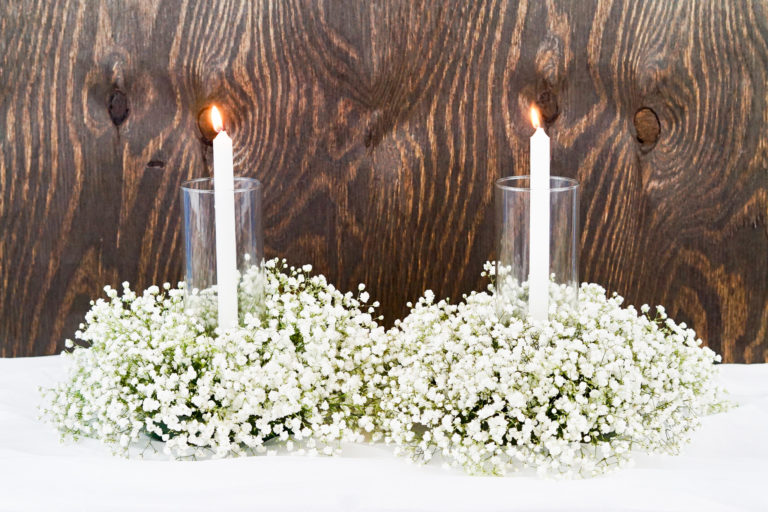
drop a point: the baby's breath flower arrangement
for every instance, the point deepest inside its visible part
(300, 368)
(573, 396)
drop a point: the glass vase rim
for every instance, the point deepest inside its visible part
(571, 184)
(251, 184)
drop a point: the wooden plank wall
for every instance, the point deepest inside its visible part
(378, 129)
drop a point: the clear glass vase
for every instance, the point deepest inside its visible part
(200, 265)
(537, 265)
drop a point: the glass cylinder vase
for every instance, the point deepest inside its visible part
(537, 262)
(200, 265)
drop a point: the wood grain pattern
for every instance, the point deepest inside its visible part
(378, 129)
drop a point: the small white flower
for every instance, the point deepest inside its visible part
(150, 404)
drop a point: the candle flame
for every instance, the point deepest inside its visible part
(535, 120)
(216, 120)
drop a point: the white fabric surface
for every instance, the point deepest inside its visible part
(724, 468)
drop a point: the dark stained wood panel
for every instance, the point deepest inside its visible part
(378, 129)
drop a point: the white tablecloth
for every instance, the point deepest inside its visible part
(724, 468)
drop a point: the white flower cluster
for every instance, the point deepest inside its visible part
(310, 366)
(300, 368)
(571, 397)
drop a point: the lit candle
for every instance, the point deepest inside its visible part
(224, 201)
(538, 277)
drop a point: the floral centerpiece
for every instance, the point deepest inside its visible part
(299, 369)
(575, 395)
(310, 367)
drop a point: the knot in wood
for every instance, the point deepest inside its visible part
(373, 130)
(647, 126)
(547, 103)
(117, 105)
(205, 125)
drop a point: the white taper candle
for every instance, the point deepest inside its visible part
(226, 243)
(538, 277)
